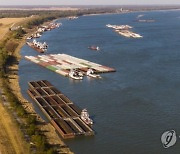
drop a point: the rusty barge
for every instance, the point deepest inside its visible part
(62, 113)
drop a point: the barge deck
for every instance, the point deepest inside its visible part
(63, 114)
(63, 64)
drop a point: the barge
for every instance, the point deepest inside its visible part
(62, 113)
(63, 64)
(124, 30)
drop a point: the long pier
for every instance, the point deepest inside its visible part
(63, 114)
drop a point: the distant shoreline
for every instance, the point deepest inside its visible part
(94, 14)
(84, 7)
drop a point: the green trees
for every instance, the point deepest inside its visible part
(39, 140)
(3, 58)
(39, 20)
(11, 46)
(18, 34)
(31, 129)
(7, 48)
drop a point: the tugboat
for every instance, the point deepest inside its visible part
(38, 46)
(74, 74)
(42, 46)
(91, 73)
(45, 45)
(85, 117)
(29, 38)
(94, 48)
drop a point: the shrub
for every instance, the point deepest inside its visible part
(11, 46)
(18, 34)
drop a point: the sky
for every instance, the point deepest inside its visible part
(87, 2)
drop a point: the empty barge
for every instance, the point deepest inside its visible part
(63, 114)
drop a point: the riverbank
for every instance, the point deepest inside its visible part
(135, 95)
(49, 131)
(8, 136)
(16, 139)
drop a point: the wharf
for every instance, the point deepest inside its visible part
(63, 64)
(63, 114)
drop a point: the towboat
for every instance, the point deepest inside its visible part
(76, 75)
(85, 117)
(38, 46)
(94, 48)
(91, 73)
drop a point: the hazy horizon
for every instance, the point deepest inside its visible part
(89, 2)
(92, 5)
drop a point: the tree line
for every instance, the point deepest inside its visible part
(55, 13)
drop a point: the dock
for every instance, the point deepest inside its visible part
(63, 64)
(62, 113)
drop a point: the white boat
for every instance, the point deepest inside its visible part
(85, 117)
(37, 35)
(134, 35)
(40, 30)
(74, 74)
(110, 26)
(119, 27)
(73, 17)
(140, 15)
(45, 45)
(29, 38)
(91, 73)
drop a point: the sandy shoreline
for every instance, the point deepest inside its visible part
(47, 128)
